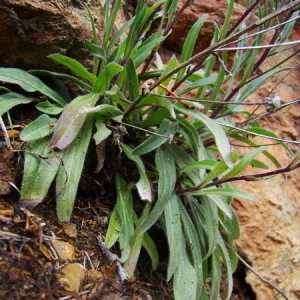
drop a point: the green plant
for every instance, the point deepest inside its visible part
(179, 148)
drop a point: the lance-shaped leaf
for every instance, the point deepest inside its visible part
(154, 141)
(143, 185)
(40, 168)
(165, 165)
(216, 130)
(173, 229)
(69, 173)
(125, 212)
(29, 83)
(76, 67)
(231, 192)
(243, 163)
(10, 100)
(71, 120)
(114, 229)
(185, 283)
(38, 129)
(152, 100)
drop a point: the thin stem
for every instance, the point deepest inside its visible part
(5, 133)
(207, 101)
(261, 277)
(265, 30)
(252, 177)
(259, 47)
(265, 114)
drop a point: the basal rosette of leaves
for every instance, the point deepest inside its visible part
(179, 146)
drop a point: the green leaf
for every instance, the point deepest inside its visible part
(192, 138)
(112, 69)
(29, 83)
(143, 185)
(69, 172)
(152, 100)
(109, 20)
(133, 32)
(215, 172)
(229, 261)
(173, 230)
(165, 166)
(216, 130)
(216, 275)
(114, 229)
(76, 67)
(71, 120)
(62, 76)
(207, 164)
(256, 83)
(189, 44)
(151, 249)
(95, 50)
(40, 167)
(211, 221)
(114, 39)
(223, 192)
(295, 160)
(95, 38)
(156, 117)
(132, 80)
(222, 203)
(191, 233)
(125, 212)
(38, 129)
(10, 100)
(154, 141)
(184, 283)
(172, 64)
(199, 83)
(137, 240)
(145, 49)
(252, 144)
(49, 108)
(182, 158)
(243, 163)
(102, 131)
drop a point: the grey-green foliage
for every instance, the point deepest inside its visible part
(180, 152)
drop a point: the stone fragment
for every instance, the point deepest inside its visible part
(71, 277)
(94, 275)
(70, 230)
(64, 250)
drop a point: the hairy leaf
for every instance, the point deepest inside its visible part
(167, 129)
(71, 120)
(29, 83)
(38, 129)
(165, 165)
(69, 172)
(10, 100)
(143, 185)
(76, 67)
(172, 226)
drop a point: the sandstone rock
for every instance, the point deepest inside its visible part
(33, 29)
(269, 227)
